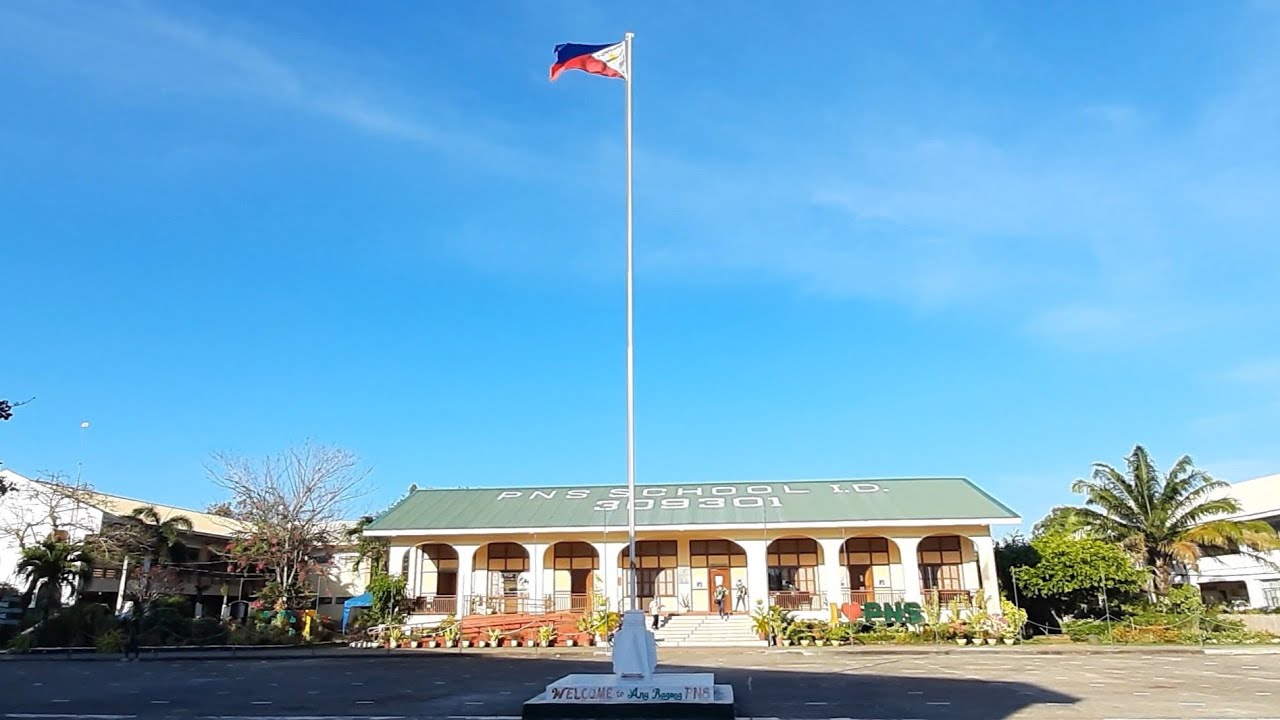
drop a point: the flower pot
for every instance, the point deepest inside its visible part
(1008, 641)
(466, 643)
(568, 642)
(449, 643)
(545, 643)
(433, 644)
(806, 642)
(786, 642)
(962, 641)
(481, 643)
(992, 641)
(413, 644)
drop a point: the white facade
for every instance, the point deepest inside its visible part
(1239, 579)
(31, 512)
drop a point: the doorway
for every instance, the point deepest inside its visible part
(580, 587)
(719, 577)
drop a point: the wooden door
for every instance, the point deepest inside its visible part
(719, 577)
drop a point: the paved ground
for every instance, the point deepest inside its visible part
(963, 685)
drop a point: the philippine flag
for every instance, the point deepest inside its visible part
(606, 60)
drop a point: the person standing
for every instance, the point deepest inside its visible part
(722, 595)
(655, 609)
(740, 596)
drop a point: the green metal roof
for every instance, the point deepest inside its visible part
(752, 503)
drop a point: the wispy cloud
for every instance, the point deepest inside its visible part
(145, 53)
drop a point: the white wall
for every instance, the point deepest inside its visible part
(29, 512)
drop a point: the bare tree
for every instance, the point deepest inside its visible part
(7, 407)
(37, 510)
(293, 504)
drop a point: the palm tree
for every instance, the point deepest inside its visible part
(161, 538)
(49, 567)
(1166, 521)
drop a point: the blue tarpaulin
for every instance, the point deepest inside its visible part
(359, 601)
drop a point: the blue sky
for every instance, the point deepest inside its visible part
(999, 240)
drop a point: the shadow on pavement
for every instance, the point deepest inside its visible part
(437, 685)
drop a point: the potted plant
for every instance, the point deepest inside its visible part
(820, 630)
(394, 637)
(546, 634)
(760, 621)
(1015, 620)
(495, 637)
(450, 634)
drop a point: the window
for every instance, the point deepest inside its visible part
(795, 579)
(651, 582)
(716, 553)
(507, 556)
(439, 569)
(865, 551)
(652, 554)
(576, 556)
(940, 558)
(793, 565)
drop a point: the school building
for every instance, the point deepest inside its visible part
(802, 545)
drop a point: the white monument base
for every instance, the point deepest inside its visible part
(661, 695)
(634, 690)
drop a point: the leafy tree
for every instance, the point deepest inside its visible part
(1014, 550)
(373, 551)
(1074, 574)
(1166, 521)
(47, 568)
(160, 538)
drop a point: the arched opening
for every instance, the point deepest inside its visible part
(942, 561)
(504, 567)
(793, 573)
(719, 569)
(869, 564)
(655, 573)
(437, 579)
(573, 567)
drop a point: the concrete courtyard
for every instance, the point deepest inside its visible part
(976, 684)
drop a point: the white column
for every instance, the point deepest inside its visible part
(835, 578)
(1257, 593)
(413, 583)
(757, 572)
(907, 547)
(395, 559)
(986, 551)
(537, 577)
(609, 571)
(466, 561)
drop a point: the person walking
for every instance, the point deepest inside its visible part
(722, 595)
(655, 609)
(131, 625)
(740, 596)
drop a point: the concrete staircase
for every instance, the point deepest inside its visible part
(708, 631)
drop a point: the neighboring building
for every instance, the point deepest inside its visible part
(32, 511)
(803, 545)
(339, 579)
(1231, 578)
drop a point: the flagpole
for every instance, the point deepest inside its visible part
(631, 391)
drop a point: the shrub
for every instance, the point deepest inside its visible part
(1086, 630)
(111, 641)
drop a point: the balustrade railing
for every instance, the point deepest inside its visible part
(435, 605)
(798, 600)
(874, 596)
